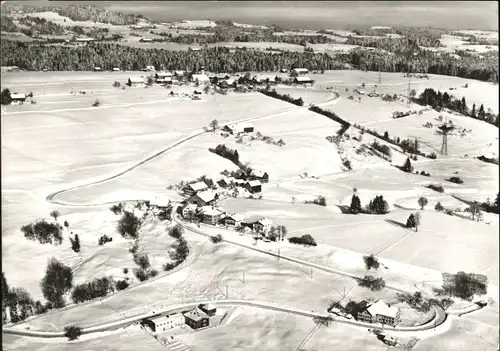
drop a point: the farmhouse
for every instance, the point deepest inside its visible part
(263, 177)
(193, 188)
(196, 318)
(162, 323)
(303, 80)
(116, 69)
(232, 220)
(201, 78)
(97, 69)
(203, 198)
(163, 75)
(17, 98)
(253, 186)
(262, 225)
(179, 73)
(189, 210)
(211, 215)
(299, 72)
(145, 40)
(244, 128)
(208, 308)
(380, 312)
(136, 82)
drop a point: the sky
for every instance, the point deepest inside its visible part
(318, 14)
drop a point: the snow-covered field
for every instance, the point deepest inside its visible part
(62, 141)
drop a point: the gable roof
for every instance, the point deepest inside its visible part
(207, 195)
(201, 77)
(192, 207)
(136, 80)
(380, 307)
(253, 183)
(198, 186)
(208, 306)
(235, 217)
(162, 318)
(210, 211)
(300, 70)
(303, 79)
(164, 74)
(259, 174)
(195, 314)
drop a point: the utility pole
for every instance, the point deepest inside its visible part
(311, 272)
(227, 292)
(243, 277)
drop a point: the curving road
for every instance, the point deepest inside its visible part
(52, 197)
(438, 320)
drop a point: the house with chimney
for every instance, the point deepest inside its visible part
(204, 198)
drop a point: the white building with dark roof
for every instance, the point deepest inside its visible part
(211, 215)
(16, 97)
(203, 198)
(193, 188)
(380, 312)
(136, 82)
(163, 323)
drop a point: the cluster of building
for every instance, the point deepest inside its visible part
(375, 312)
(298, 76)
(196, 318)
(201, 204)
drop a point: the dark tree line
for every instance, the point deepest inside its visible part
(35, 57)
(98, 287)
(284, 97)
(223, 151)
(79, 13)
(39, 25)
(333, 116)
(439, 100)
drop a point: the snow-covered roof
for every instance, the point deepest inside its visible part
(163, 318)
(236, 217)
(381, 308)
(165, 79)
(160, 201)
(164, 74)
(207, 195)
(200, 77)
(198, 186)
(190, 207)
(17, 96)
(208, 306)
(136, 80)
(180, 72)
(265, 222)
(253, 183)
(303, 79)
(210, 211)
(258, 173)
(196, 314)
(230, 81)
(300, 70)
(116, 69)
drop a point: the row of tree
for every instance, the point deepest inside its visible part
(439, 100)
(78, 13)
(284, 97)
(223, 151)
(220, 59)
(376, 206)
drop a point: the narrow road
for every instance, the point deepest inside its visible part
(437, 321)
